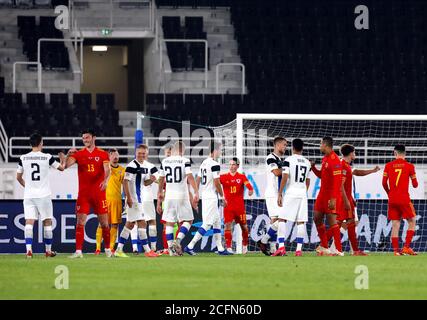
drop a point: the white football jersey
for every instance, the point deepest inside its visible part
(298, 169)
(136, 173)
(35, 167)
(273, 183)
(147, 191)
(209, 170)
(175, 170)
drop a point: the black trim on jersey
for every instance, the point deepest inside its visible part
(20, 162)
(153, 170)
(216, 168)
(286, 164)
(51, 160)
(187, 164)
(270, 161)
(131, 170)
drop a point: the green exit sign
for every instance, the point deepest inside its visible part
(106, 32)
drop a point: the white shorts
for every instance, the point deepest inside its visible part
(210, 212)
(35, 207)
(273, 208)
(149, 210)
(177, 210)
(135, 213)
(295, 209)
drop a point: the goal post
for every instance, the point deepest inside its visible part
(374, 137)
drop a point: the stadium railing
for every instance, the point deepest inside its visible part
(230, 64)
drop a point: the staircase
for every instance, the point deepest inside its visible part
(26, 80)
(223, 48)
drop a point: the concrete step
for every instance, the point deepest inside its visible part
(200, 76)
(216, 60)
(217, 51)
(12, 43)
(6, 35)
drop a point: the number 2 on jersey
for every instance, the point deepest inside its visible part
(35, 175)
(399, 172)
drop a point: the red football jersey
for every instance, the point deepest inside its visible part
(234, 188)
(347, 173)
(90, 168)
(398, 173)
(331, 176)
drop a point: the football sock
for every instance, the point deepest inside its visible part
(336, 233)
(281, 234)
(80, 237)
(113, 236)
(47, 237)
(271, 233)
(321, 231)
(300, 236)
(106, 237)
(134, 239)
(98, 237)
(169, 235)
(199, 234)
(153, 237)
(218, 239)
(142, 235)
(245, 236)
(165, 241)
(124, 236)
(28, 231)
(351, 228)
(183, 230)
(228, 238)
(395, 243)
(409, 236)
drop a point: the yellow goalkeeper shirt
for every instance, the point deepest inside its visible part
(114, 186)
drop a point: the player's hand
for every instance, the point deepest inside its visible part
(159, 208)
(195, 204)
(129, 202)
(153, 178)
(71, 151)
(280, 200)
(376, 169)
(312, 163)
(195, 201)
(103, 185)
(332, 204)
(250, 193)
(224, 202)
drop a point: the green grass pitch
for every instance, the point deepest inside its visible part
(208, 276)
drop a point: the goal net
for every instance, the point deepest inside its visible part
(374, 136)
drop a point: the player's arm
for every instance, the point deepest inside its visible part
(160, 195)
(274, 167)
(307, 183)
(385, 181)
(217, 182)
(20, 174)
(129, 176)
(107, 172)
(362, 173)
(344, 194)
(195, 185)
(285, 178)
(413, 177)
(248, 185)
(55, 164)
(316, 171)
(69, 159)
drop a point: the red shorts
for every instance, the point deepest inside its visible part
(234, 214)
(95, 200)
(342, 213)
(322, 205)
(398, 211)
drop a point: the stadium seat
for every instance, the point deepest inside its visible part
(82, 101)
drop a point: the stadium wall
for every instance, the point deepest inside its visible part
(373, 229)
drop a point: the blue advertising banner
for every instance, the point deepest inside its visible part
(373, 229)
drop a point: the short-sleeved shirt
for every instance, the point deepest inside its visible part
(399, 172)
(147, 191)
(208, 172)
(35, 168)
(298, 169)
(331, 176)
(114, 186)
(273, 162)
(234, 188)
(347, 173)
(90, 169)
(175, 170)
(136, 174)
